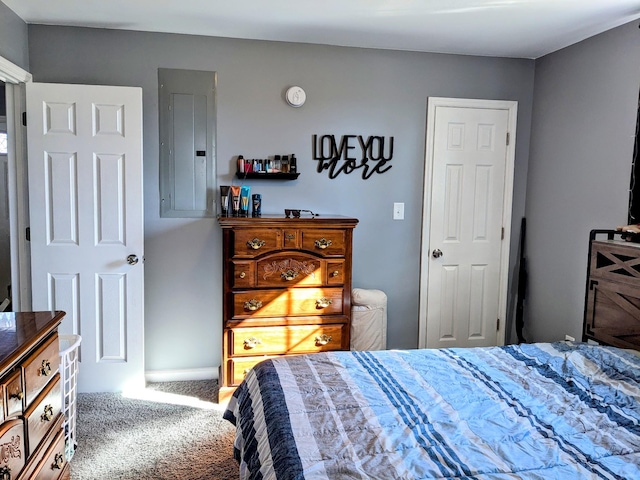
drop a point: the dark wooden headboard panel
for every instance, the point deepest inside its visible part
(612, 305)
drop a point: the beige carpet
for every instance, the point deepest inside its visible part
(154, 438)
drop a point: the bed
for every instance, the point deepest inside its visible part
(532, 411)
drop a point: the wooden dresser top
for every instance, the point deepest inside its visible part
(20, 331)
(280, 221)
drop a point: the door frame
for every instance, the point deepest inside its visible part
(432, 104)
(15, 78)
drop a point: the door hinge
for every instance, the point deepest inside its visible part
(27, 234)
(502, 234)
(508, 138)
(498, 325)
(24, 119)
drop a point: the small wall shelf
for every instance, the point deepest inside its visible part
(272, 176)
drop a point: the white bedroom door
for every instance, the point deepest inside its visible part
(86, 222)
(466, 224)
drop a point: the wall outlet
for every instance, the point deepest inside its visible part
(569, 338)
(398, 211)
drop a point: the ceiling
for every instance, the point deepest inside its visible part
(502, 28)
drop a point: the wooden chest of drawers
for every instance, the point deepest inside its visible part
(287, 290)
(31, 435)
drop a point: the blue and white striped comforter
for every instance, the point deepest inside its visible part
(537, 411)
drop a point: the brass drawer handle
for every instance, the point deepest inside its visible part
(47, 416)
(256, 243)
(323, 339)
(252, 304)
(242, 275)
(5, 473)
(323, 243)
(58, 462)
(45, 369)
(19, 396)
(251, 342)
(289, 275)
(323, 302)
(335, 273)
(290, 236)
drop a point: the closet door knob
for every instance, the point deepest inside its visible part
(437, 253)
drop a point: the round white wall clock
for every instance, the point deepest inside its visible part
(296, 96)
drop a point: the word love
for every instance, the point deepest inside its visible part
(343, 157)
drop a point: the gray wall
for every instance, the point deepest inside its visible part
(349, 91)
(13, 38)
(585, 106)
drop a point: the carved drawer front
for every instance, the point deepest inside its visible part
(289, 270)
(12, 451)
(291, 339)
(14, 393)
(291, 302)
(53, 462)
(40, 367)
(44, 412)
(615, 262)
(244, 273)
(253, 242)
(326, 242)
(240, 367)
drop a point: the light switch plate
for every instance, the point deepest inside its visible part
(398, 211)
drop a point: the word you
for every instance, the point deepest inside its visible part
(342, 157)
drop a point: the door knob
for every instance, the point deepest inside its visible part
(437, 253)
(132, 259)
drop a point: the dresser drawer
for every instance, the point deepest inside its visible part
(53, 464)
(290, 269)
(281, 339)
(12, 446)
(40, 367)
(244, 273)
(326, 242)
(285, 270)
(240, 367)
(335, 272)
(13, 393)
(43, 412)
(289, 302)
(250, 243)
(36, 467)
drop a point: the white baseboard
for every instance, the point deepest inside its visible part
(209, 373)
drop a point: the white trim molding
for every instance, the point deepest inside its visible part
(12, 73)
(190, 374)
(15, 79)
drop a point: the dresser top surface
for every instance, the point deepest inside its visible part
(20, 331)
(320, 220)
